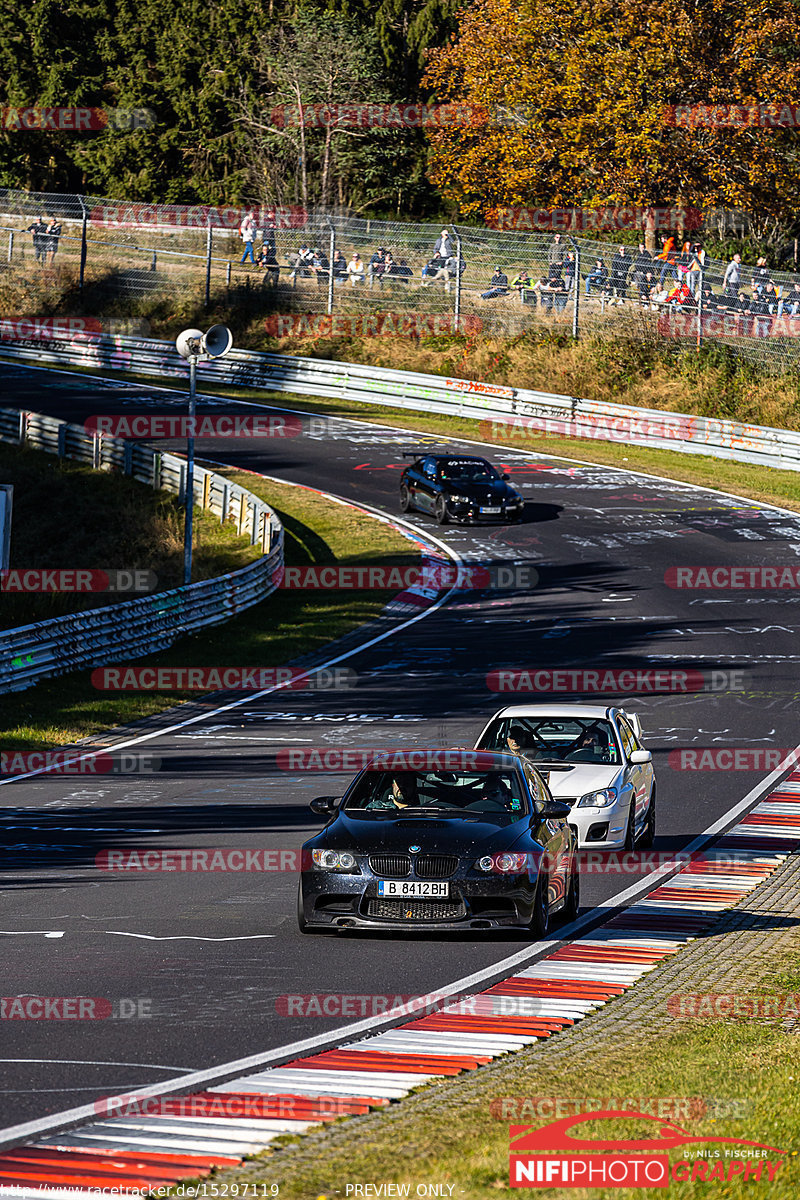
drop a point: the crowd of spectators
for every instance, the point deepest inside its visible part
(675, 278)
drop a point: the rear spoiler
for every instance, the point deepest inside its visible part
(421, 451)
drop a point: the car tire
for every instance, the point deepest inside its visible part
(440, 511)
(649, 831)
(630, 831)
(301, 916)
(540, 919)
(573, 901)
(405, 499)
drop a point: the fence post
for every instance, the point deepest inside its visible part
(331, 252)
(209, 236)
(700, 312)
(457, 312)
(576, 289)
(82, 272)
(10, 244)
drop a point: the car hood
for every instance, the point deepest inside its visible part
(580, 778)
(435, 835)
(490, 489)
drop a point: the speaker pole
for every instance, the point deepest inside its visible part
(187, 528)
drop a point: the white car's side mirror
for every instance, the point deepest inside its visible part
(641, 756)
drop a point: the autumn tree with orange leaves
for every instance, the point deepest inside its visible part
(595, 80)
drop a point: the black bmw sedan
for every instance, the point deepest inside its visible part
(458, 487)
(482, 846)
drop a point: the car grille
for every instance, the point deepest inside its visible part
(390, 866)
(416, 910)
(435, 866)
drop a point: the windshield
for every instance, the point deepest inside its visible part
(555, 739)
(468, 470)
(406, 793)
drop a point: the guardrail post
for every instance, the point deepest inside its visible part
(84, 248)
(23, 427)
(224, 505)
(62, 441)
(209, 238)
(10, 244)
(153, 262)
(96, 451)
(228, 276)
(127, 458)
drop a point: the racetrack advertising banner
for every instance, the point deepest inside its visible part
(553, 1156)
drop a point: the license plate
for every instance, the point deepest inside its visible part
(491, 510)
(430, 891)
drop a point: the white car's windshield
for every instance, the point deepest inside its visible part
(555, 739)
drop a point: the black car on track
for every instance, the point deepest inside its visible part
(458, 487)
(471, 840)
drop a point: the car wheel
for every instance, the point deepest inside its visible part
(540, 921)
(649, 832)
(573, 901)
(630, 832)
(440, 511)
(301, 916)
(405, 499)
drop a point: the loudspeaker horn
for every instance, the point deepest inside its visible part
(183, 342)
(218, 341)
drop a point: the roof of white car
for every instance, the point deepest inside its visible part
(565, 711)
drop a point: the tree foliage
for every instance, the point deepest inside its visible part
(595, 80)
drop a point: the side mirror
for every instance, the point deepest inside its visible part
(555, 810)
(641, 756)
(323, 806)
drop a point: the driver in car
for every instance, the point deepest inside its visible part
(492, 796)
(591, 747)
(402, 794)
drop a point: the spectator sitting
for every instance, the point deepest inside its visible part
(377, 264)
(269, 264)
(554, 292)
(642, 263)
(620, 265)
(301, 262)
(455, 266)
(403, 271)
(772, 296)
(339, 268)
(524, 285)
(758, 306)
(681, 296)
(320, 267)
(597, 277)
(498, 285)
(556, 252)
(647, 287)
(791, 302)
(355, 270)
(710, 301)
(432, 269)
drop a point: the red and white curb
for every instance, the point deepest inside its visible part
(192, 1134)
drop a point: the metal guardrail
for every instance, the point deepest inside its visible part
(539, 413)
(147, 624)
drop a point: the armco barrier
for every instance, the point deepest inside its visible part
(116, 632)
(563, 416)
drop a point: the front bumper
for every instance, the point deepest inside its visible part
(493, 901)
(599, 828)
(471, 513)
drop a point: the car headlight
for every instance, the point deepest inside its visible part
(506, 864)
(334, 860)
(601, 799)
(459, 499)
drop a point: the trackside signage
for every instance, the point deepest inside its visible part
(553, 1156)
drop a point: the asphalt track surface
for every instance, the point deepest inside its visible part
(203, 958)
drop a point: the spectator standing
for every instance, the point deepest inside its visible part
(733, 276)
(498, 285)
(555, 254)
(247, 232)
(697, 265)
(620, 265)
(268, 262)
(320, 267)
(268, 233)
(445, 246)
(668, 256)
(569, 270)
(38, 230)
(642, 263)
(51, 237)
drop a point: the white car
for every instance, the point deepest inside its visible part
(593, 758)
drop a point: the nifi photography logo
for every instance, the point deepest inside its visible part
(551, 1156)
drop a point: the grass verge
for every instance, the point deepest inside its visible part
(748, 1068)
(285, 626)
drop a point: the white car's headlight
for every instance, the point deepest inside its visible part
(601, 799)
(334, 860)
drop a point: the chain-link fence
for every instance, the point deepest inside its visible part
(318, 273)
